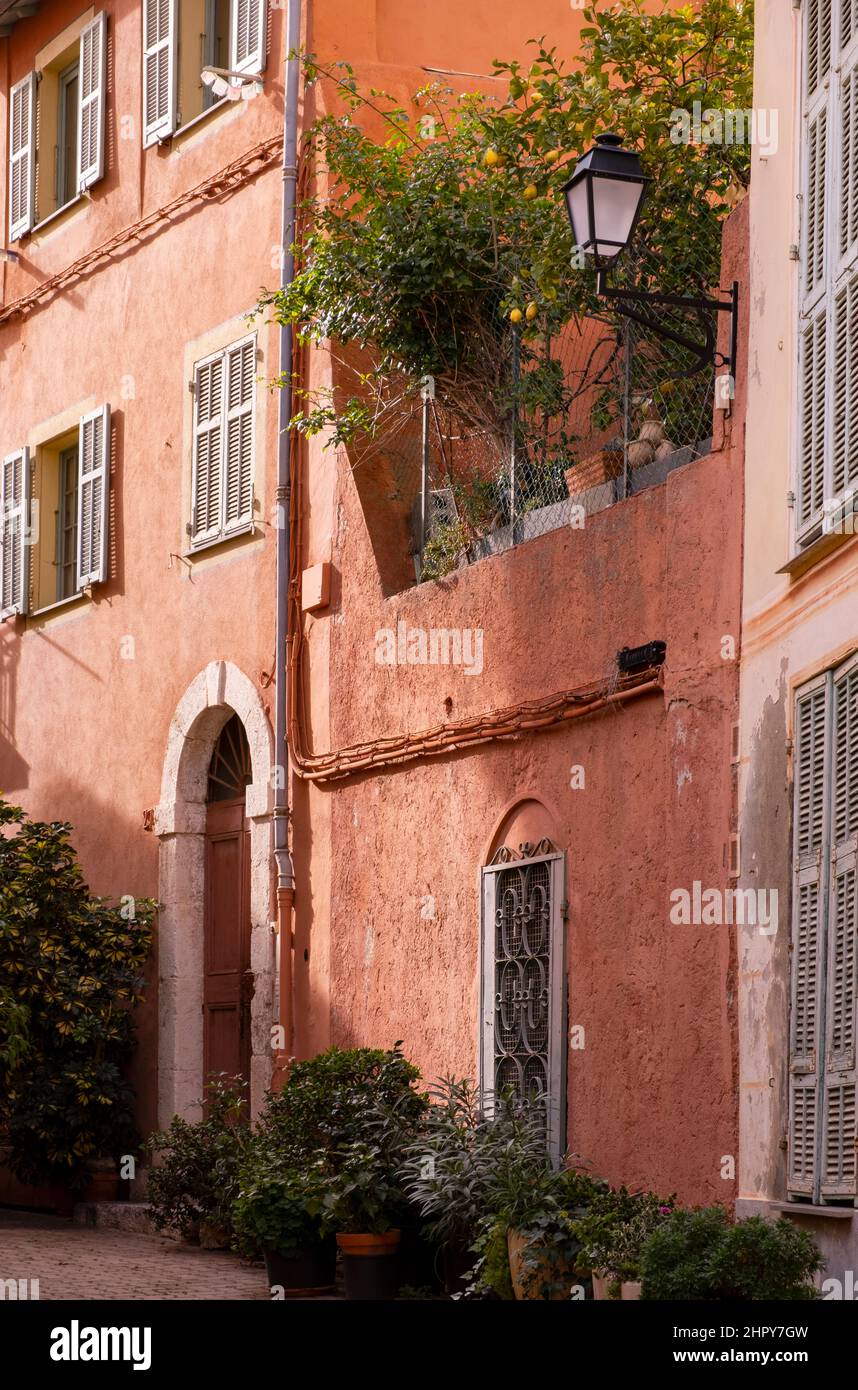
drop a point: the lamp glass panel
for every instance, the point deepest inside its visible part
(578, 210)
(615, 203)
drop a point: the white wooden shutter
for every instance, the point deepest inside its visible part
(812, 431)
(817, 45)
(810, 877)
(816, 155)
(238, 463)
(838, 1177)
(248, 23)
(14, 537)
(22, 156)
(160, 52)
(206, 486)
(93, 496)
(844, 421)
(92, 83)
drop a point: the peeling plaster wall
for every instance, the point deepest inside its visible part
(792, 628)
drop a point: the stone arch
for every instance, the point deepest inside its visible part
(217, 693)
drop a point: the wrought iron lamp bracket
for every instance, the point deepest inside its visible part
(632, 304)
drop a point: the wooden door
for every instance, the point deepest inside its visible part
(228, 982)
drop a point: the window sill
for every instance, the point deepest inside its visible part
(60, 603)
(817, 550)
(220, 542)
(195, 122)
(805, 1209)
(58, 213)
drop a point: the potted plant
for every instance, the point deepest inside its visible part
(701, 1255)
(279, 1212)
(363, 1203)
(194, 1183)
(613, 1233)
(544, 1248)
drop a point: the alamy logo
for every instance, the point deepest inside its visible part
(19, 1288)
(717, 907)
(76, 1343)
(730, 127)
(440, 646)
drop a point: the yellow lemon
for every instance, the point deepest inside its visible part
(531, 311)
(491, 158)
(515, 316)
(531, 191)
(551, 156)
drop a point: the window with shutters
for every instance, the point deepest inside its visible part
(827, 436)
(224, 388)
(56, 128)
(180, 38)
(65, 482)
(523, 1026)
(822, 1063)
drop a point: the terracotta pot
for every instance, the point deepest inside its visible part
(641, 452)
(213, 1237)
(653, 432)
(630, 1289)
(306, 1275)
(543, 1267)
(103, 1185)
(370, 1265)
(601, 1284)
(665, 449)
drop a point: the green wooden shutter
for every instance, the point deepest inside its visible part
(93, 461)
(91, 86)
(838, 1178)
(206, 482)
(238, 470)
(14, 538)
(808, 931)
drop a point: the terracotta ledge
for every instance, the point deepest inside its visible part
(803, 1209)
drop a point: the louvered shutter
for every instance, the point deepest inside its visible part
(248, 23)
(92, 87)
(238, 471)
(93, 497)
(817, 45)
(14, 538)
(811, 462)
(838, 1145)
(206, 519)
(844, 421)
(22, 156)
(807, 937)
(815, 204)
(160, 46)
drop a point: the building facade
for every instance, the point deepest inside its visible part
(487, 850)
(799, 777)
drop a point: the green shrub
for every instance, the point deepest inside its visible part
(71, 970)
(197, 1178)
(699, 1255)
(615, 1229)
(330, 1101)
(279, 1209)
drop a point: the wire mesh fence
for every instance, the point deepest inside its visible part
(570, 424)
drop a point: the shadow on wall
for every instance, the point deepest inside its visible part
(14, 771)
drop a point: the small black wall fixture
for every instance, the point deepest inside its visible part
(604, 198)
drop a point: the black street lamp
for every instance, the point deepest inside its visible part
(604, 198)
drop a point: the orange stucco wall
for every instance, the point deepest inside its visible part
(84, 729)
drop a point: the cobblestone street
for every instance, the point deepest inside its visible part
(78, 1262)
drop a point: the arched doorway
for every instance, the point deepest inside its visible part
(200, 808)
(227, 976)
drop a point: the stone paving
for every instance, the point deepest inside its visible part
(79, 1262)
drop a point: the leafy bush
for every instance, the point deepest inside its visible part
(330, 1101)
(197, 1178)
(71, 970)
(279, 1209)
(698, 1255)
(615, 1230)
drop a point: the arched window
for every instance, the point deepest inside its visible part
(229, 770)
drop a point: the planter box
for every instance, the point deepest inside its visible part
(595, 471)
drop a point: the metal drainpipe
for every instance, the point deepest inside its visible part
(282, 857)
